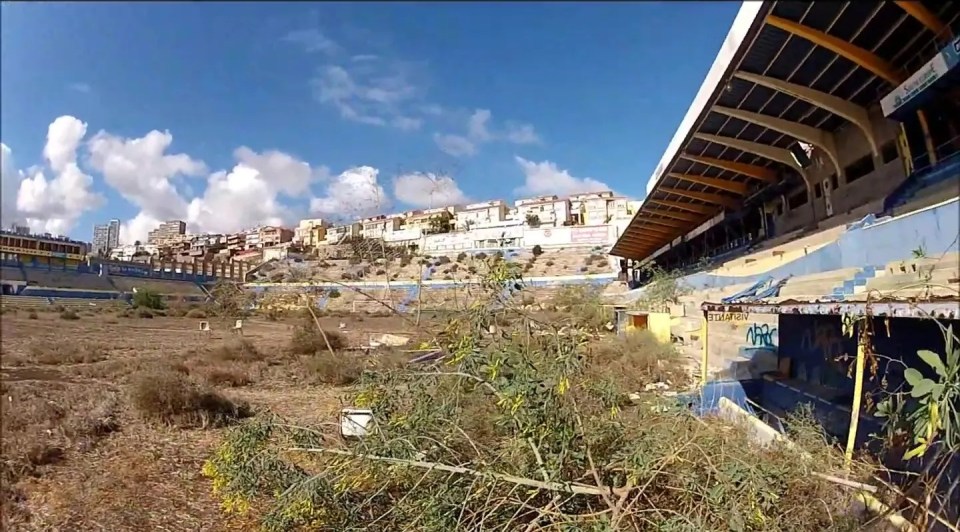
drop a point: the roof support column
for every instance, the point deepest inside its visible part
(838, 106)
(811, 135)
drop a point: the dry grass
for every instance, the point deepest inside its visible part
(69, 315)
(307, 339)
(635, 360)
(93, 422)
(238, 350)
(172, 398)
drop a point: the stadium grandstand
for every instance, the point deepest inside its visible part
(57, 270)
(814, 115)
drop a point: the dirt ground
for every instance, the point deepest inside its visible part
(77, 455)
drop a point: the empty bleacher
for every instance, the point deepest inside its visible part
(163, 287)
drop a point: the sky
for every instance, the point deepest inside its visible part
(232, 115)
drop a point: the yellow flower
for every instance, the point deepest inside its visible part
(563, 385)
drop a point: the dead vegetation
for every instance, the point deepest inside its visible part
(513, 428)
(170, 397)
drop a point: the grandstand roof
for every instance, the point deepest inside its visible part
(786, 72)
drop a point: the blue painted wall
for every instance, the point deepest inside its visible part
(936, 230)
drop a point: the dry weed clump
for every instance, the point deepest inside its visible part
(581, 305)
(635, 360)
(338, 369)
(69, 314)
(307, 339)
(239, 350)
(172, 398)
(510, 430)
(56, 353)
(229, 376)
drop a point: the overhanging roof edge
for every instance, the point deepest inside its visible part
(747, 24)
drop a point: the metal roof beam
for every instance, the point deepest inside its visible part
(651, 240)
(859, 56)
(709, 197)
(918, 11)
(750, 170)
(661, 231)
(773, 153)
(838, 106)
(692, 207)
(685, 216)
(730, 186)
(660, 221)
(811, 135)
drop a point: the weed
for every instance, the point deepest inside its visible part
(32, 315)
(307, 339)
(196, 313)
(338, 369)
(171, 398)
(241, 350)
(232, 377)
(69, 315)
(148, 299)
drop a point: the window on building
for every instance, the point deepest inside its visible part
(797, 200)
(859, 168)
(889, 152)
(817, 191)
(834, 183)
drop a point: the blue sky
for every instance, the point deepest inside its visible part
(229, 115)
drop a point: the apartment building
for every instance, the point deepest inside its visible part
(310, 232)
(272, 235)
(106, 237)
(168, 232)
(479, 215)
(421, 221)
(598, 208)
(551, 211)
(339, 233)
(380, 226)
(236, 242)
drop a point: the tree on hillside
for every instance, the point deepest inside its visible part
(533, 220)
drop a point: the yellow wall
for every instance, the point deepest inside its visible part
(658, 323)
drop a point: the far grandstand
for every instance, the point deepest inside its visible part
(38, 270)
(813, 116)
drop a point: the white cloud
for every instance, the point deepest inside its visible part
(285, 173)
(143, 173)
(481, 130)
(313, 40)
(477, 126)
(544, 178)
(10, 179)
(51, 204)
(521, 134)
(427, 190)
(354, 193)
(455, 145)
(234, 200)
(373, 92)
(63, 138)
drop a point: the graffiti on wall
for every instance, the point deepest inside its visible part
(823, 339)
(761, 335)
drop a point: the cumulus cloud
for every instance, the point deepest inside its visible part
(52, 204)
(10, 179)
(544, 178)
(354, 193)
(427, 190)
(142, 171)
(235, 200)
(481, 130)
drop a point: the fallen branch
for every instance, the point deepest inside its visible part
(566, 487)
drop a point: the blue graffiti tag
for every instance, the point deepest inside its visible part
(761, 335)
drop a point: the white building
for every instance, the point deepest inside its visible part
(598, 208)
(381, 226)
(480, 215)
(551, 211)
(129, 251)
(339, 233)
(304, 234)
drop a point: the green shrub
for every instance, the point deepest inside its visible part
(148, 299)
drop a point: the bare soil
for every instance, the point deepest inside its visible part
(77, 454)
